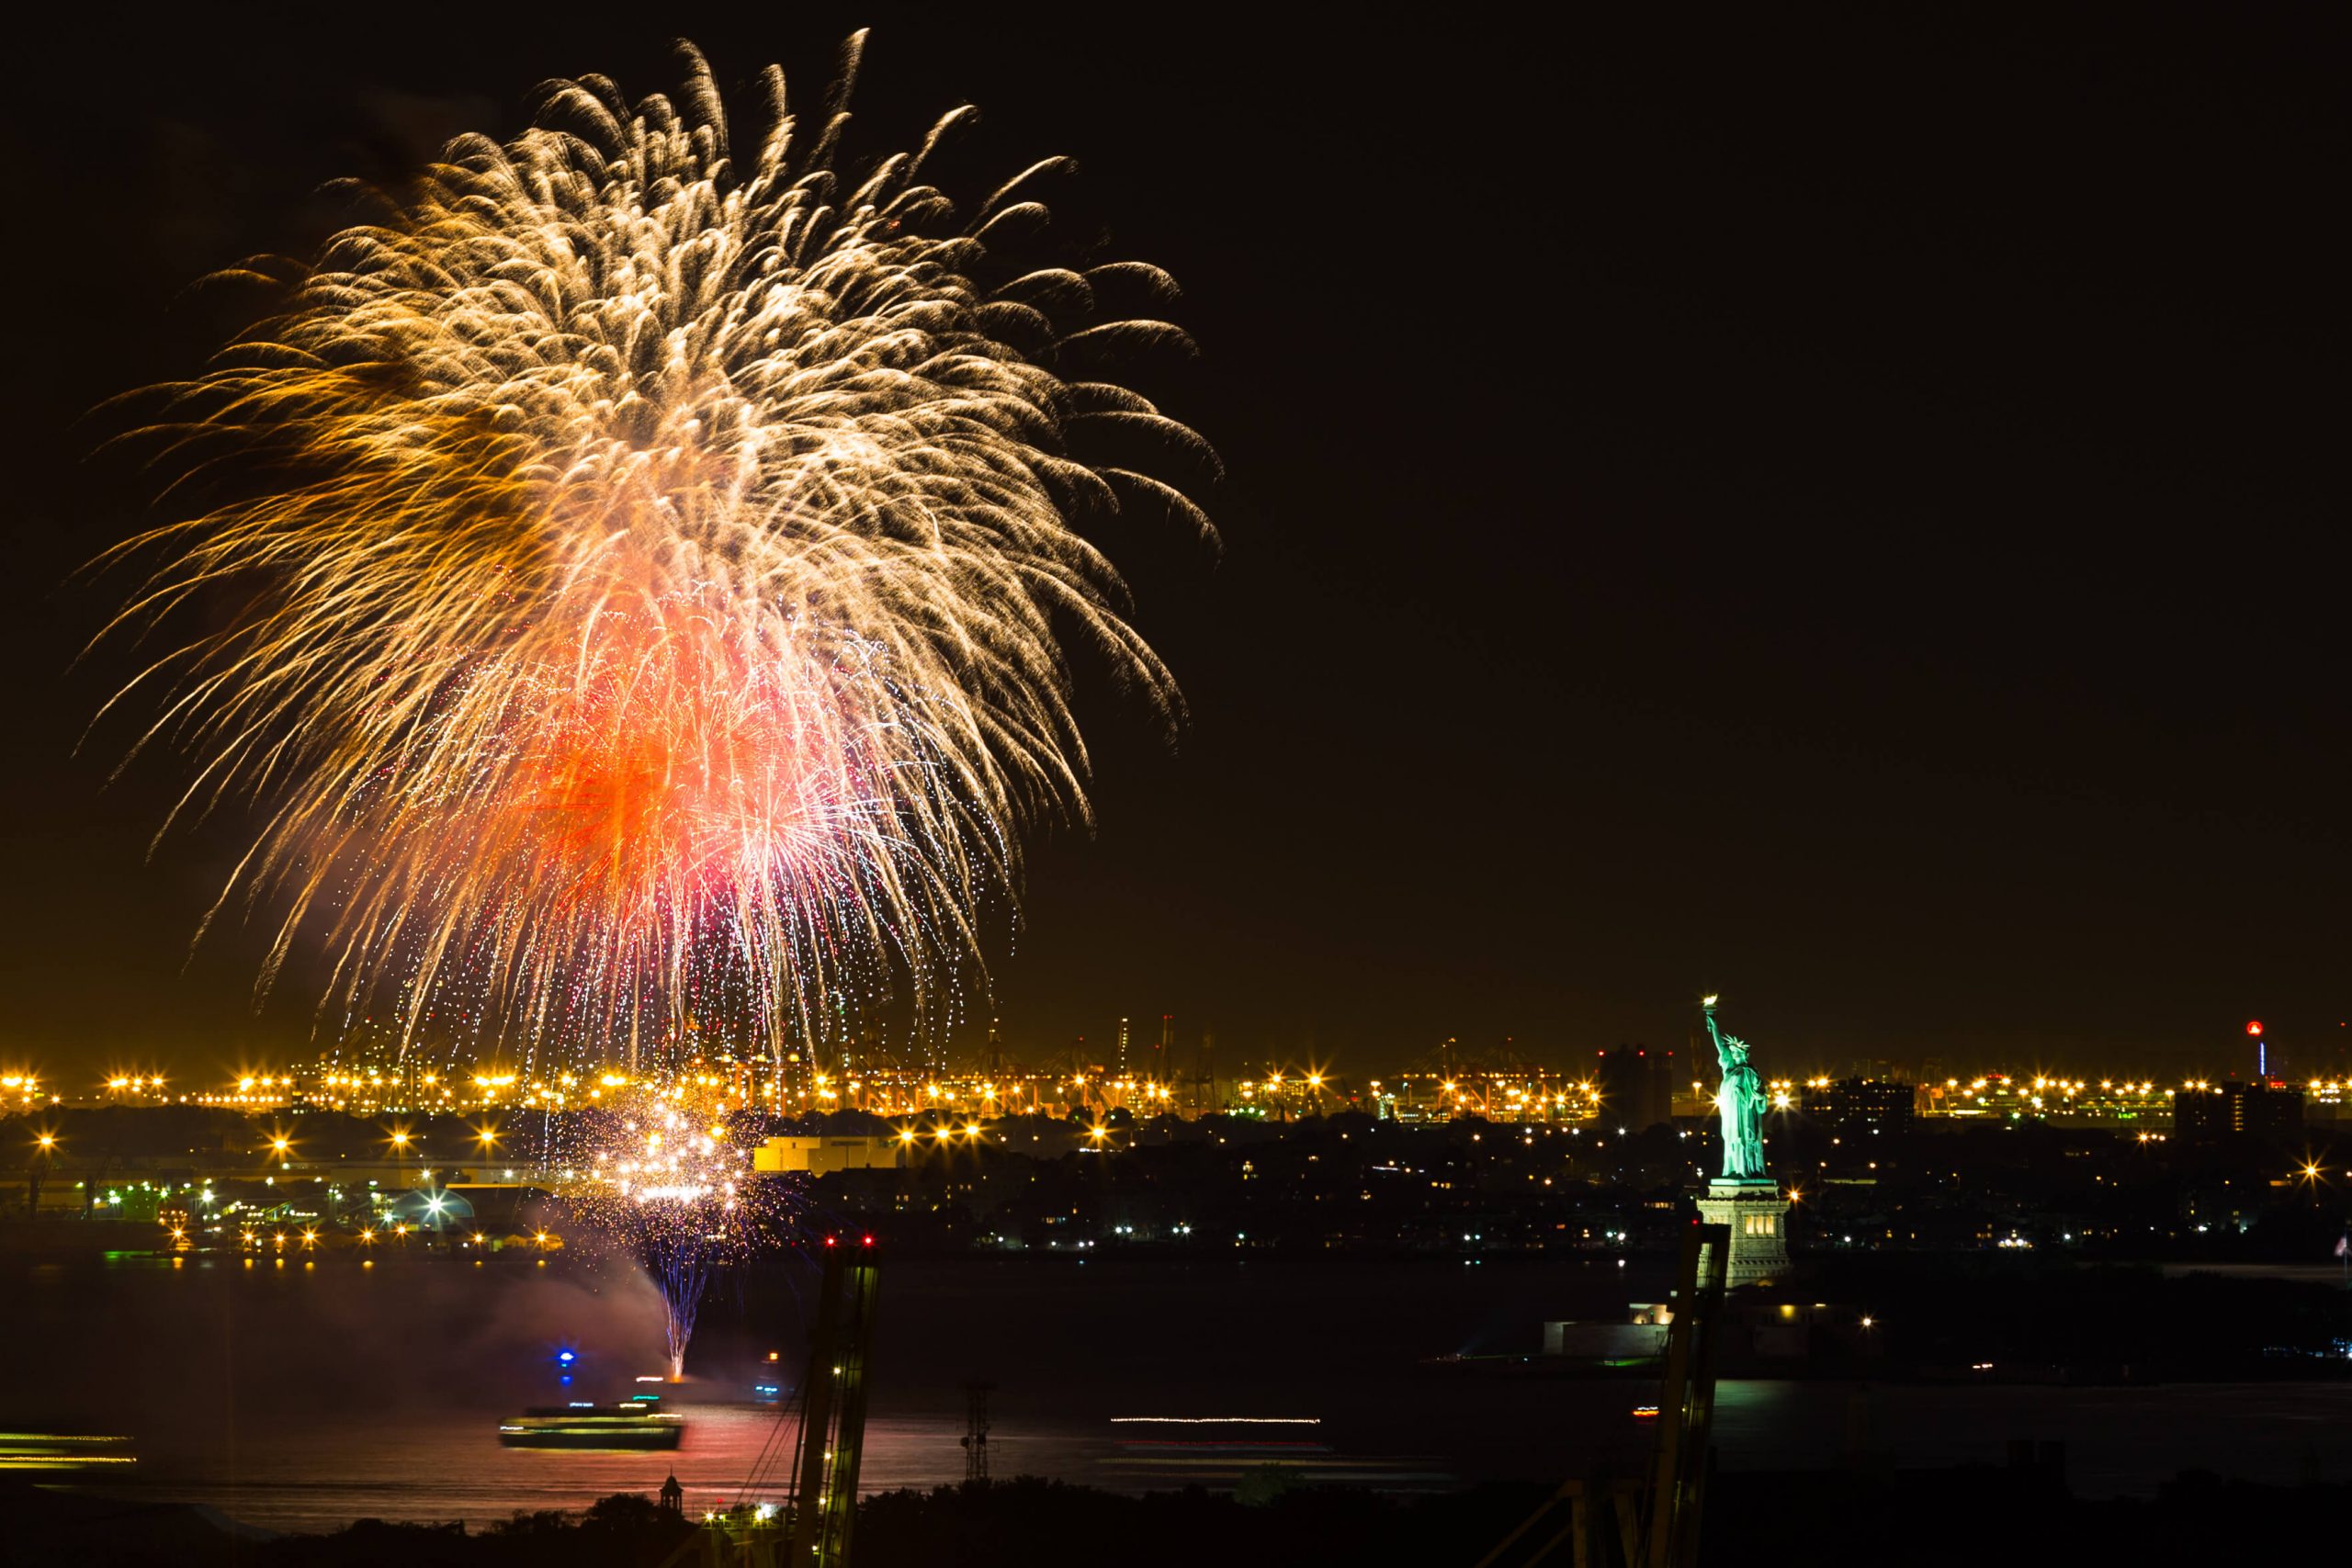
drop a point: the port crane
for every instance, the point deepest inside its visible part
(1647, 1522)
(814, 1527)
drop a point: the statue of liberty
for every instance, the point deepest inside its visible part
(1740, 1103)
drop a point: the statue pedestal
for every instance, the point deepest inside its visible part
(1757, 1216)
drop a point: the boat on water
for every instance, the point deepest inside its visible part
(638, 1423)
(1243, 1453)
(37, 1452)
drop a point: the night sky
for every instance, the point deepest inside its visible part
(1847, 513)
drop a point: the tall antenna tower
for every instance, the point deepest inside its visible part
(976, 1433)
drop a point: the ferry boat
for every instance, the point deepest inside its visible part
(638, 1423)
(1241, 1453)
(39, 1451)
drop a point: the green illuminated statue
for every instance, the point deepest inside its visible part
(1740, 1103)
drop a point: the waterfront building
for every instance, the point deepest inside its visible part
(1850, 1107)
(1636, 1088)
(2270, 1112)
(822, 1155)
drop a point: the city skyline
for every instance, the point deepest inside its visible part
(1196, 1067)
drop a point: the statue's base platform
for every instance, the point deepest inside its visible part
(1757, 1216)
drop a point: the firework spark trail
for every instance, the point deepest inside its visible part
(674, 1192)
(659, 585)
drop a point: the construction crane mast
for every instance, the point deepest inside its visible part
(814, 1527)
(1647, 1522)
(833, 1429)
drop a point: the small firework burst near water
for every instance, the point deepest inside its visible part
(675, 1191)
(655, 552)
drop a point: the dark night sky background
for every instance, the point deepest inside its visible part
(1840, 508)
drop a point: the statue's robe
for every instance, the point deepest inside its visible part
(1741, 1102)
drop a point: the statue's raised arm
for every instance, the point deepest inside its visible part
(1723, 1056)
